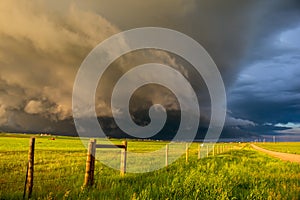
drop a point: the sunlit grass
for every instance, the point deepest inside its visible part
(60, 166)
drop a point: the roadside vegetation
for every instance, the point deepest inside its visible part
(241, 173)
(285, 147)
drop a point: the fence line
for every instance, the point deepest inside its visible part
(203, 150)
(90, 162)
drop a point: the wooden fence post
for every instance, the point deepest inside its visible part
(186, 152)
(167, 152)
(199, 151)
(90, 164)
(93, 161)
(30, 168)
(123, 158)
(213, 150)
(207, 150)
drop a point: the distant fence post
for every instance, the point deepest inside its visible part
(199, 151)
(30, 168)
(207, 150)
(186, 152)
(123, 158)
(213, 150)
(90, 164)
(167, 154)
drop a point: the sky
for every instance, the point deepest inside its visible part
(255, 45)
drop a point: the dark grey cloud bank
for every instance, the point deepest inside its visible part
(254, 43)
(267, 90)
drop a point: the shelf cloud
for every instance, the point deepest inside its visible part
(255, 45)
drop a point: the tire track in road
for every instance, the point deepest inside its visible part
(280, 155)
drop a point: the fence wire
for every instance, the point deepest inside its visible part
(54, 167)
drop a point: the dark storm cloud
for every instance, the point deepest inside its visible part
(268, 92)
(235, 33)
(224, 28)
(43, 43)
(268, 89)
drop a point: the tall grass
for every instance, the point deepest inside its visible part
(60, 165)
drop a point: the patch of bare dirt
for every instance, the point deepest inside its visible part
(282, 156)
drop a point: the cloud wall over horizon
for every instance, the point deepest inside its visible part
(42, 45)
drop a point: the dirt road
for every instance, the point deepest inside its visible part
(282, 156)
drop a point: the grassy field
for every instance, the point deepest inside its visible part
(241, 173)
(285, 147)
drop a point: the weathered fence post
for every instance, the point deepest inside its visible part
(167, 154)
(94, 142)
(213, 150)
(199, 151)
(30, 168)
(186, 152)
(123, 158)
(90, 164)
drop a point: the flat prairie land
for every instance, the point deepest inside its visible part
(284, 147)
(237, 173)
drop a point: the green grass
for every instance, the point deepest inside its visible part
(285, 147)
(241, 173)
